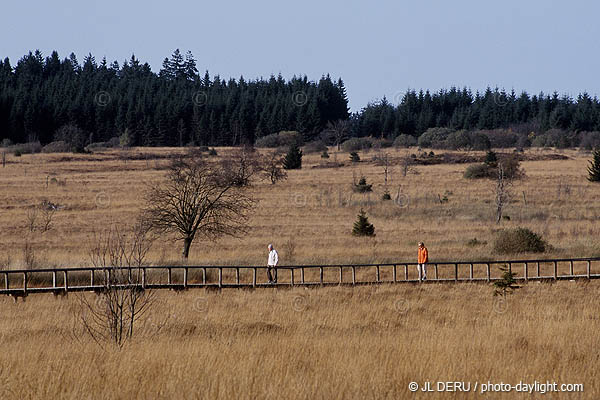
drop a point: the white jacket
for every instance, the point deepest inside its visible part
(273, 258)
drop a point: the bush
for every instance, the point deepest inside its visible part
(325, 154)
(71, 134)
(501, 138)
(511, 166)
(356, 144)
(281, 139)
(6, 143)
(519, 240)
(405, 141)
(479, 171)
(315, 147)
(589, 140)
(382, 144)
(26, 148)
(56, 147)
(434, 137)
(458, 140)
(212, 152)
(476, 242)
(354, 157)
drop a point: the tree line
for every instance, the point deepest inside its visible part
(40, 96)
(48, 99)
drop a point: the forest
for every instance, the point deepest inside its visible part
(48, 99)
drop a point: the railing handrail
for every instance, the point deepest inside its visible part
(298, 266)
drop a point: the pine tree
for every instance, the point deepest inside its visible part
(594, 167)
(293, 158)
(362, 227)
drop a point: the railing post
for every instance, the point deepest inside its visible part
(6, 280)
(254, 277)
(25, 282)
(292, 276)
(538, 269)
(321, 275)
(66, 279)
(455, 272)
(341, 270)
(185, 277)
(589, 269)
(144, 278)
(378, 274)
(302, 275)
(555, 270)
(488, 271)
(204, 276)
(54, 279)
(471, 271)
(525, 272)
(405, 272)
(394, 273)
(170, 276)
(220, 277)
(237, 275)
(436, 271)
(91, 277)
(353, 275)
(509, 267)
(571, 268)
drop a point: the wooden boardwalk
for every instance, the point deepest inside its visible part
(60, 281)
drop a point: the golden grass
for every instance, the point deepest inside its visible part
(364, 342)
(314, 209)
(367, 342)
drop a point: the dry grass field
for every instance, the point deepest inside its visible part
(366, 342)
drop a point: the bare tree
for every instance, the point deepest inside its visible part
(124, 299)
(406, 164)
(273, 167)
(32, 215)
(502, 192)
(338, 130)
(200, 198)
(47, 215)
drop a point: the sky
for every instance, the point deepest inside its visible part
(379, 48)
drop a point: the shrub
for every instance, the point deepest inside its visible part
(405, 141)
(315, 147)
(491, 159)
(479, 171)
(589, 140)
(382, 144)
(479, 141)
(26, 148)
(511, 166)
(324, 154)
(501, 138)
(434, 137)
(458, 140)
(6, 143)
(386, 195)
(354, 157)
(212, 152)
(75, 137)
(56, 147)
(281, 139)
(356, 144)
(362, 227)
(519, 240)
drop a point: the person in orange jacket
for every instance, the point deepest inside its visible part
(423, 259)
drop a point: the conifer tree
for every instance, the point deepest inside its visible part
(594, 167)
(293, 158)
(362, 227)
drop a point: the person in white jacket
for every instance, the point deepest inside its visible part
(272, 264)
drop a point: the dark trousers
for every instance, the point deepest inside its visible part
(269, 276)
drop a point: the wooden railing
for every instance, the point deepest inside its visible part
(20, 283)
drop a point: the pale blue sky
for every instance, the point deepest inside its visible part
(379, 48)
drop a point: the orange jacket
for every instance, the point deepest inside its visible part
(423, 255)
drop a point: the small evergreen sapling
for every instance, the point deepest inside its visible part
(362, 227)
(594, 167)
(507, 284)
(293, 158)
